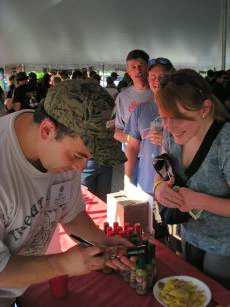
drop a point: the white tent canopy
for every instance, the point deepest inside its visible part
(92, 32)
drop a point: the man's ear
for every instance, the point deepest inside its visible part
(47, 130)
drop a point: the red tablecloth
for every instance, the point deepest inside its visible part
(96, 208)
(100, 290)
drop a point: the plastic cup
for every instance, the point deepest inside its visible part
(157, 124)
(59, 286)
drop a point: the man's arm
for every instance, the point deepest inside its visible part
(83, 226)
(120, 136)
(132, 151)
(23, 271)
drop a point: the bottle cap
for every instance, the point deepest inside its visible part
(129, 230)
(115, 225)
(120, 232)
(109, 228)
(111, 233)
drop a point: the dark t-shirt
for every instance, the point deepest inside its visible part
(20, 96)
(220, 92)
(11, 91)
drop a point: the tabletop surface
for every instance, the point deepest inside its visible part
(110, 290)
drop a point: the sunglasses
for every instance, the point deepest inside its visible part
(162, 61)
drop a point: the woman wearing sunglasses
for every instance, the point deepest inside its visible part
(137, 128)
(189, 110)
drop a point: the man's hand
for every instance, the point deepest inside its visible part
(82, 260)
(84, 227)
(120, 136)
(121, 262)
(9, 104)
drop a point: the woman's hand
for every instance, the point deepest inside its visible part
(191, 199)
(168, 197)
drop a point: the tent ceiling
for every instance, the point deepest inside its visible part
(104, 31)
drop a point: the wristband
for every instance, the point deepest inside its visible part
(156, 185)
(128, 138)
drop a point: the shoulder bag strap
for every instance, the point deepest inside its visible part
(204, 148)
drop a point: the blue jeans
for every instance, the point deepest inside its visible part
(97, 178)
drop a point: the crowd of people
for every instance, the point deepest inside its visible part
(25, 91)
(60, 132)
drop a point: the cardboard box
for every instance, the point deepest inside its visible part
(123, 208)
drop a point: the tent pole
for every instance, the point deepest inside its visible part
(103, 73)
(224, 15)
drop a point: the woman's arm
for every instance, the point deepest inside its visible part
(197, 200)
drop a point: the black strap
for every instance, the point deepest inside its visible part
(204, 148)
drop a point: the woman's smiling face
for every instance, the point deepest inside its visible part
(183, 129)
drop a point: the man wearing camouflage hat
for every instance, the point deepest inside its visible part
(42, 155)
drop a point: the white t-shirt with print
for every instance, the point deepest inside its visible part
(31, 202)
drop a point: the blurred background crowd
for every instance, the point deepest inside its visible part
(30, 88)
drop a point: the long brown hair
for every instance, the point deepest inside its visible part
(188, 89)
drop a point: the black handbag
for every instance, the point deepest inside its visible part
(164, 167)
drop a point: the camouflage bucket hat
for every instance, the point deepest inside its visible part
(84, 107)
